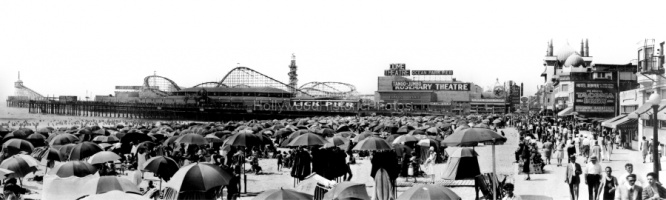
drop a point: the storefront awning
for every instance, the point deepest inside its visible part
(640, 110)
(624, 123)
(606, 122)
(648, 114)
(565, 112)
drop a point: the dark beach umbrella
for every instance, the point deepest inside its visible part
(84, 131)
(84, 150)
(243, 139)
(391, 138)
(52, 154)
(120, 135)
(428, 192)
(372, 144)
(163, 167)
(282, 194)
(17, 145)
(73, 168)
(199, 177)
(343, 128)
(110, 183)
(62, 139)
(135, 137)
(346, 134)
(308, 139)
(37, 140)
(158, 137)
(192, 139)
(21, 165)
(326, 132)
(401, 149)
(405, 139)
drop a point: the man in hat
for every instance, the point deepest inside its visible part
(592, 172)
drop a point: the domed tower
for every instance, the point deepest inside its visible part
(293, 77)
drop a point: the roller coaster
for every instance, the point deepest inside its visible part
(244, 77)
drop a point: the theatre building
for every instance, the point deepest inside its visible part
(428, 90)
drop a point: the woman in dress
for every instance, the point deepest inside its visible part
(430, 164)
(559, 153)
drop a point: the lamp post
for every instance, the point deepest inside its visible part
(654, 100)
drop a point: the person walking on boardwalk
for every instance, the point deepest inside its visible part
(572, 177)
(592, 177)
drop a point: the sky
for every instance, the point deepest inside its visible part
(70, 47)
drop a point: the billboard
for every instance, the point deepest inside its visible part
(128, 87)
(432, 72)
(418, 85)
(595, 97)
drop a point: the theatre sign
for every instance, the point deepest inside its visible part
(418, 85)
(400, 69)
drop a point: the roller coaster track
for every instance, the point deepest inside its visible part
(247, 77)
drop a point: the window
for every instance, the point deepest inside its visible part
(628, 109)
(647, 123)
(565, 87)
(662, 124)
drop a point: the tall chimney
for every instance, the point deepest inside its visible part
(582, 48)
(587, 49)
(550, 48)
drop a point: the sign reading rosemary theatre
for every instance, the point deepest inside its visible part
(418, 85)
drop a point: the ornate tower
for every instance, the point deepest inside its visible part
(293, 77)
(587, 49)
(582, 49)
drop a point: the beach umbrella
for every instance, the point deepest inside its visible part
(84, 131)
(337, 140)
(135, 137)
(191, 138)
(282, 194)
(51, 154)
(20, 164)
(62, 139)
(404, 139)
(473, 136)
(462, 127)
(171, 140)
(362, 136)
(347, 190)
(308, 139)
(65, 150)
(372, 144)
(17, 145)
(401, 149)
(326, 132)
(37, 139)
(199, 177)
(243, 139)
(497, 121)
(116, 183)
(429, 192)
(20, 133)
(158, 137)
(163, 167)
(100, 131)
(84, 150)
(73, 168)
(213, 139)
(106, 139)
(432, 130)
(103, 157)
(120, 135)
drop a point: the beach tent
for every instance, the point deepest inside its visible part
(465, 159)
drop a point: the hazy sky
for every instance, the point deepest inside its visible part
(68, 47)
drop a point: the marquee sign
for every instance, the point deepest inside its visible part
(591, 97)
(418, 85)
(400, 69)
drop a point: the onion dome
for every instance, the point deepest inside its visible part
(564, 53)
(574, 60)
